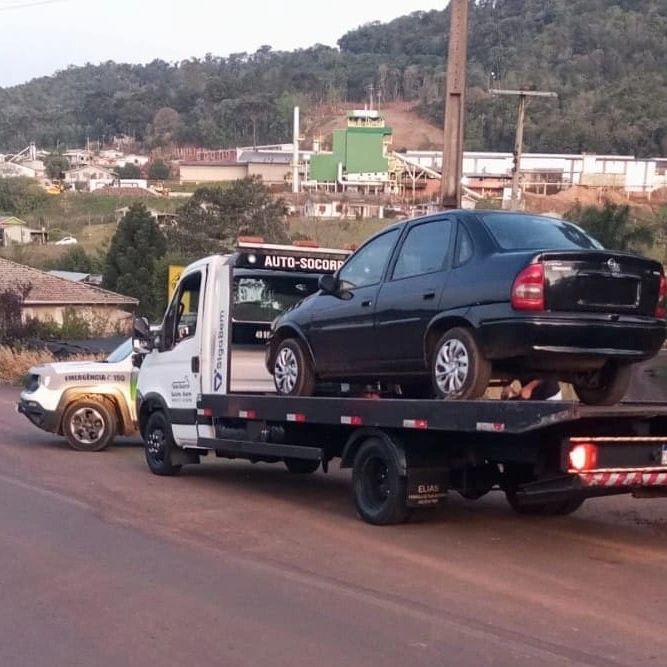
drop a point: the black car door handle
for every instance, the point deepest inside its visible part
(428, 296)
(366, 304)
(194, 364)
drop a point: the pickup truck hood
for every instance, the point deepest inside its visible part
(90, 368)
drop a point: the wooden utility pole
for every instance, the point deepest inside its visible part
(518, 140)
(457, 58)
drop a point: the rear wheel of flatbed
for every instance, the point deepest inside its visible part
(380, 490)
(301, 466)
(158, 445)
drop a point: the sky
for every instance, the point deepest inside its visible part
(39, 37)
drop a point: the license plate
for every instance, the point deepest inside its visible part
(664, 456)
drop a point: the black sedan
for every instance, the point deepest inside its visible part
(441, 304)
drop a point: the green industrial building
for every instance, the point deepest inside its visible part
(361, 150)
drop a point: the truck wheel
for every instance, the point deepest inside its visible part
(554, 508)
(459, 369)
(380, 491)
(89, 425)
(301, 466)
(158, 445)
(605, 387)
(292, 371)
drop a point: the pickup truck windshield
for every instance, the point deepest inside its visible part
(123, 351)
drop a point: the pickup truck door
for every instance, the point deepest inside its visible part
(411, 294)
(176, 362)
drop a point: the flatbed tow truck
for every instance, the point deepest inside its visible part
(547, 456)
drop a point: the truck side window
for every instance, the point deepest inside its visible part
(181, 320)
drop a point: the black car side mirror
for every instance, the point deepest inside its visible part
(142, 329)
(328, 284)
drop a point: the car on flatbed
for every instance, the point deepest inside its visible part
(444, 303)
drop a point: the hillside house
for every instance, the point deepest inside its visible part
(89, 177)
(16, 232)
(50, 297)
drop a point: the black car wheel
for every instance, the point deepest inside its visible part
(459, 369)
(158, 444)
(89, 425)
(553, 508)
(380, 491)
(606, 386)
(292, 371)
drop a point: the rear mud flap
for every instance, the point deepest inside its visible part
(426, 486)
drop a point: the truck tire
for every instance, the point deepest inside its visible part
(606, 387)
(380, 491)
(89, 424)
(301, 466)
(293, 373)
(553, 508)
(459, 369)
(158, 445)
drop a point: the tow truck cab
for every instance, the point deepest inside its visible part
(546, 456)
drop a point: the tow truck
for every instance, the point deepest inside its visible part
(548, 457)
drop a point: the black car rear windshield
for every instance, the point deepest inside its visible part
(532, 232)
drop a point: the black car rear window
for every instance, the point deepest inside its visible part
(533, 232)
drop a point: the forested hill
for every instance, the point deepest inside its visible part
(607, 60)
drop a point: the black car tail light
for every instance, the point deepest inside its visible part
(528, 288)
(661, 308)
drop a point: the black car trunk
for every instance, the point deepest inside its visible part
(601, 281)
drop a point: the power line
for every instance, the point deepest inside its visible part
(30, 3)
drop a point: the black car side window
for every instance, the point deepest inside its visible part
(424, 249)
(367, 265)
(464, 247)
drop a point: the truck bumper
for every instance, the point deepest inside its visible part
(47, 420)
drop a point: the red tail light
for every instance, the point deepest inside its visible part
(583, 456)
(528, 288)
(661, 308)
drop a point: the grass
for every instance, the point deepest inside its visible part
(15, 364)
(336, 233)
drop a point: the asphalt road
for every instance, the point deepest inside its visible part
(231, 564)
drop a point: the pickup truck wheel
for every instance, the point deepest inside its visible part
(292, 371)
(553, 508)
(459, 369)
(607, 386)
(158, 445)
(89, 425)
(380, 491)
(301, 466)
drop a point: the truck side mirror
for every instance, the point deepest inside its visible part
(142, 339)
(328, 283)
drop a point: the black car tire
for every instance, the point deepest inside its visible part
(158, 446)
(380, 491)
(469, 356)
(292, 370)
(553, 508)
(607, 387)
(89, 425)
(301, 466)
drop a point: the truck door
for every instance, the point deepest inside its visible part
(177, 361)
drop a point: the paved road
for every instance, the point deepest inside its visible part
(234, 564)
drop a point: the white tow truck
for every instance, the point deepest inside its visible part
(548, 457)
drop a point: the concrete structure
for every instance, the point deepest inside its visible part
(90, 177)
(163, 219)
(359, 156)
(132, 158)
(15, 169)
(273, 167)
(50, 298)
(547, 173)
(15, 231)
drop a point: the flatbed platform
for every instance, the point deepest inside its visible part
(435, 415)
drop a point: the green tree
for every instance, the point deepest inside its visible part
(55, 166)
(613, 226)
(19, 196)
(77, 259)
(214, 218)
(159, 171)
(128, 171)
(133, 256)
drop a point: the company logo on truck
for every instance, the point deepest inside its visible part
(292, 263)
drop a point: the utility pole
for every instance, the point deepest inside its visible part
(457, 58)
(518, 140)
